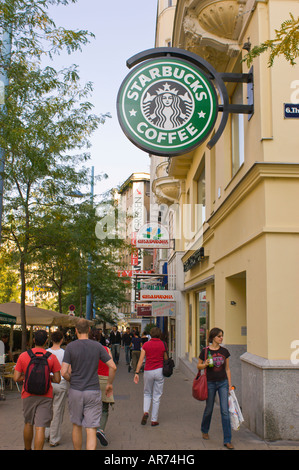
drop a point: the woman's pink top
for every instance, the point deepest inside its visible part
(154, 354)
(103, 369)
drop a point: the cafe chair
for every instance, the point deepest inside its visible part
(8, 373)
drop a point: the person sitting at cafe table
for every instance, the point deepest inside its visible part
(7, 351)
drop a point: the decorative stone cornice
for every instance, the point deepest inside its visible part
(197, 36)
(213, 29)
(222, 18)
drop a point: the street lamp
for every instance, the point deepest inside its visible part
(90, 313)
(90, 310)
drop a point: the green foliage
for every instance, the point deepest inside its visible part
(34, 33)
(75, 257)
(45, 127)
(286, 43)
(8, 278)
(148, 327)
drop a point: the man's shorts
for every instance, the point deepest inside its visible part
(37, 411)
(85, 407)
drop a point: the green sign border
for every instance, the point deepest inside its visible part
(141, 87)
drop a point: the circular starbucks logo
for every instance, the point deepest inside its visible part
(167, 106)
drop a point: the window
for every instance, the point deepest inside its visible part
(200, 199)
(203, 320)
(213, 177)
(237, 130)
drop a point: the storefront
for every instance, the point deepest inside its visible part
(241, 251)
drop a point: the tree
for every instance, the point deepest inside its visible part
(8, 277)
(99, 259)
(46, 119)
(57, 257)
(76, 257)
(286, 43)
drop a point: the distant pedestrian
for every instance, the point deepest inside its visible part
(154, 353)
(136, 349)
(126, 342)
(115, 342)
(145, 337)
(53, 433)
(102, 337)
(219, 380)
(37, 408)
(80, 368)
(103, 374)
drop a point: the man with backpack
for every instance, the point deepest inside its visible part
(37, 369)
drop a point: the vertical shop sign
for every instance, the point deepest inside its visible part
(138, 217)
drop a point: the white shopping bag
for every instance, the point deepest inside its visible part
(236, 417)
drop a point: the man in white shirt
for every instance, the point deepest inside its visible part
(59, 394)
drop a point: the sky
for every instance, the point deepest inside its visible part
(122, 28)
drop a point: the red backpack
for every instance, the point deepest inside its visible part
(37, 377)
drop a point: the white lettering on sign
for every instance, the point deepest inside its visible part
(292, 110)
(167, 71)
(162, 295)
(152, 134)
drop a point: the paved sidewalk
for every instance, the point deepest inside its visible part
(179, 429)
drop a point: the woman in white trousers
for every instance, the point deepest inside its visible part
(154, 352)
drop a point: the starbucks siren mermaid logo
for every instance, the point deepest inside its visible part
(168, 107)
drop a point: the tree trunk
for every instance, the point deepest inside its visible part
(23, 305)
(60, 300)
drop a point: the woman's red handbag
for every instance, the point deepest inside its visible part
(200, 385)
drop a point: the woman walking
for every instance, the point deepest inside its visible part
(103, 374)
(154, 352)
(219, 380)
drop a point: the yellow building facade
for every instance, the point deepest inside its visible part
(237, 232)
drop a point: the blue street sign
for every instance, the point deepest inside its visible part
(291, 110)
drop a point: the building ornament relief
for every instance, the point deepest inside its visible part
(222, 18)
(197, 36)
(166, 189)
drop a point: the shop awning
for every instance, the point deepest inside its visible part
(6, 319)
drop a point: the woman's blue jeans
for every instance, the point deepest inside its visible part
(222, 388)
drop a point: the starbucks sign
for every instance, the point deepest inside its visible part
(167, 106)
